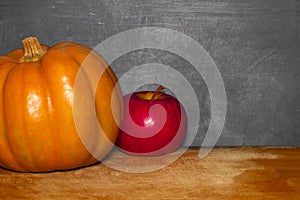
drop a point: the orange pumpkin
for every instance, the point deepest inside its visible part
(37, 128)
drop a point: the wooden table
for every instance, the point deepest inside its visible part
(226, 173)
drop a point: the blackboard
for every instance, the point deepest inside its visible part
(255, 45)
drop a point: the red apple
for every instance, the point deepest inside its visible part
(154, 123)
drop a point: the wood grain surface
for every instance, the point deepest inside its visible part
(226, 173)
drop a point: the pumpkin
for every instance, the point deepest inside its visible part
(37, 128)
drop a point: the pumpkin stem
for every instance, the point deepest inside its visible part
(32, 50)
(160, 88)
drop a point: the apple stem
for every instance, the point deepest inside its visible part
(160, 88)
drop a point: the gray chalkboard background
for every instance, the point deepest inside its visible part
(254, 43)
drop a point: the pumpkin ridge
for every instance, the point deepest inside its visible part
(35, 164)
(16, 74)
(17, 164)
(51, 118)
